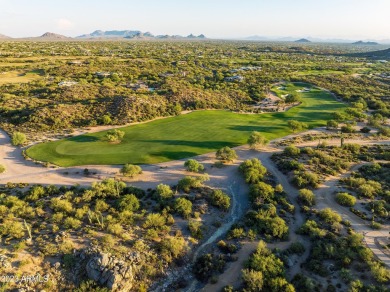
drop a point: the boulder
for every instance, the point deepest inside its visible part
(110, 272)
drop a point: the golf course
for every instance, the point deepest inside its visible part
(187, 135)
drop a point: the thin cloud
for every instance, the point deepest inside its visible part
(64, 24)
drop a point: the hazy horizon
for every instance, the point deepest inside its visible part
(342, 19)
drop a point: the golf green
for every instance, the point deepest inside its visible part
(186, 135)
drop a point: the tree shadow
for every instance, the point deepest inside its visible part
(198, 144)
(174, 155)
(83, 139)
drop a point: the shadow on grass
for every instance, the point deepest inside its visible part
(258, 128)
(84, 139)
(174, 155)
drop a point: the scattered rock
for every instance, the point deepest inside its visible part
(4, 262)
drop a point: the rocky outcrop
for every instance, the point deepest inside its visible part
(110, 272)
(117, 274)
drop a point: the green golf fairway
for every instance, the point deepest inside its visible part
(186, 135)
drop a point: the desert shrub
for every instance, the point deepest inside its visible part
(2, 168)
(261, 192)
(291, 151)
(130, 170)
(306, 197)
(72, 223)
(306, 179)
(195, 228)
(183, 207)
(129, 203)
(297, 126)
(345, 199)
(226, 154)
(253, 170)
(193, 165)
(329, 216)
(296, 248)
(189, 182)
(237, 233)
(12, 229)
(253, 280)
(60, 205)
(18, 138)
(256, 140)
(220, 199)
(155, 221)
(115, 228)
(173, 247)
(164, 191)
(115, 135)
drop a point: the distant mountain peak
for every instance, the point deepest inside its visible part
(365, 43)
(51, 35)
(2, 36)
(303, 41)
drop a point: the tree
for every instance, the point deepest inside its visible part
(195, 228)
(220, 199)
(226, 154)
(261, 193)
(18, 138)
(189, 182)
(164, 191)
(115, 135)
(130, 170)
(297, 126)
(173, 247)
(2, 168)
(193, 165)
(184, 207)
(306, 197)
(292, 98)
(256, 140)
(345, 199)
(253, 280)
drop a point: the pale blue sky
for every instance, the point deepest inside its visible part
(351, 19)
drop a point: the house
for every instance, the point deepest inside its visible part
(236, 78)
(139, 86)
(103, 74)
(67, 83)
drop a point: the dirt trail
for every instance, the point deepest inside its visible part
(232, 274)
(325, 199)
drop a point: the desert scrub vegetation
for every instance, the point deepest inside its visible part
(368, 192)
(268, 200)
(108, 218)
(344, 253)
(309, 165)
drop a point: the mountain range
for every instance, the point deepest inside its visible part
(317, 40)
(133, 34)
(137, 34)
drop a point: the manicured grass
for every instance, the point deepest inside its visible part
(186, 135)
